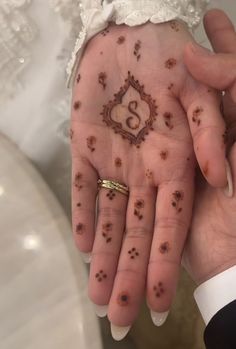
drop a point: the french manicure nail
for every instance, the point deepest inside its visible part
(118, 333)
(86, 257)
(229, 190)
(100, 310)
(159, 318)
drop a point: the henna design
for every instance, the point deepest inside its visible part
(164, 154)
(111, 194)
(121, 40)
(105, 32)
(164, 247)
(197, 112)
(168, 117)
(137, 47)
(77, 105)
(170, 63)
(79, 229)
(107, 227)
(149, 174)
(170, 86)
(124, 129)
(133, 104)
(159, 290)
(133, 253)
(174, 25)
(91, 141)
(118, 162)
(101, 79)
(101, 276)
(78, 78)
(78, 177)
(138, 206)
(123, 299)
(177, 197)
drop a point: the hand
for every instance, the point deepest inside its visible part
(140, 137)
(211, 245)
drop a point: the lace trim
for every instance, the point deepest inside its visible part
(17, 31)
(96, 14)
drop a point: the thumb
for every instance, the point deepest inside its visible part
(215, 70)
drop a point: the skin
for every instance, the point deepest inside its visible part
(211, 244)
(161, 164)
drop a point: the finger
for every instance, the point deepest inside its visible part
(84, 191)
(220, 31)
(173, 214)
(207, 127)
(215, 70)
(109, 234)
(129, 286)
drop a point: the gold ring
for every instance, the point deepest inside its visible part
(105, 183)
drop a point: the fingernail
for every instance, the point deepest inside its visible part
(86, 257)
(229, 190)
(159, 318)
(118, 333)
(100, 310)
(200, 50)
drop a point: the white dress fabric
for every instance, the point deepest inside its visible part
(36, 41)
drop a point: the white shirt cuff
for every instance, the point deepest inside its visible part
(216, 293)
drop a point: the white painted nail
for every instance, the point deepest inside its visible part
(100, 310)
(86, 257)
(159, 318)
(229, 190)
(118, 333)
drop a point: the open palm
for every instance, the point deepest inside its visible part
(129, 125)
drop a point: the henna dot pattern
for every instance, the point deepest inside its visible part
(77, 181)
(80, 229)
(78, 78)
(137, 48)
(164, 247)
(91, 141)
(149, 174)
(105, 32)
(170, 86)
(196, 115)
(174, 25)
(164, 154)
(111, 194)
(123, 299)
(118, 162)
(131, 118)
(120, 40)
(138, 206)
(159, 290)
(177, 198)
(107, 228)
(77, 105)
(133, 253)
(170, 63)
(100, 276)
(102, 79)
(168, 120)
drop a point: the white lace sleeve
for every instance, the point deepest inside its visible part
(96, 14)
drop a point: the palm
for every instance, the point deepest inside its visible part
(137, 135)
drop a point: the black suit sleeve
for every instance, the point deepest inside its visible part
(221, 330)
